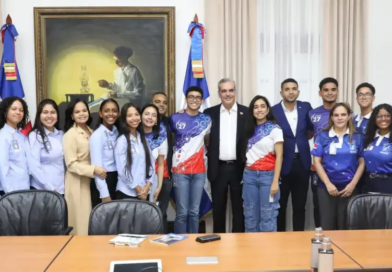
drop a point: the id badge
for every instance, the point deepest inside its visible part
(15, 144)
(332, 149)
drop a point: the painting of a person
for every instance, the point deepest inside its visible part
(128, 80)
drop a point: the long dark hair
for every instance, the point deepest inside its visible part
(116, 124)
(39, 127)
(124, 130)
(251, 121)
(69, 122)
(155, 129)
(350, 123)
(372, 124)
(5, 106)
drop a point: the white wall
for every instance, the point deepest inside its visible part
(22, 15)
(379, 49)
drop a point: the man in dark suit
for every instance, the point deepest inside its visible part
(225, 165)
(159, 99)
(293, 118)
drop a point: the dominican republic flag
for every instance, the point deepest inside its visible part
(195, 69)
(195, 77)
(10, 82)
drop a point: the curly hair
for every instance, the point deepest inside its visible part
(5, 106)
(123, 52)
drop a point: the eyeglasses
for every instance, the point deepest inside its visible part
(195, 98)
(365, 95)
(385, 116)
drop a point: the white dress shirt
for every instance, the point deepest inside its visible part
(128, 82)
(292, 119)
(228, 133)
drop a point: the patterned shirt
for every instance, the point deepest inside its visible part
(360, 122)
(260, 152)
(319, 118)
(188, 155)
(378, 155)
(158, 147)
(339, 156)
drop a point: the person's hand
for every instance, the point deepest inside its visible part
(112, 94)
(274, 188)
(156, 194)
(138, 190)
(55, 190)
(100, 172)
(347, 192)
(332, 189)
(106, 199)
(103, 83)
(141, 192)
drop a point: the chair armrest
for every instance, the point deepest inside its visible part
(67, 231)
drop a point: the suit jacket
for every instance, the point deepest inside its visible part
(301, 137)
(169, 157)
(213, 149)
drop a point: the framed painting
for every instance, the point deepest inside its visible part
(93, 53)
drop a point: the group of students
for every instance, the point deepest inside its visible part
(132, 155)
(120, 154)
(352, 154)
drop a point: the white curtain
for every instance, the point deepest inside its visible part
(289, 46)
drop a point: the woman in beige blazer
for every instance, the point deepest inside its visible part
(79, 169)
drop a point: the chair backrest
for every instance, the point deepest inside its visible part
(33, 212)
(125, 216)
(370, 211)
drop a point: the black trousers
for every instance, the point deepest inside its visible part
(333, 210)
(381, 185)
(316, 209)
(295, 183)
(111, 181)
(121, 195)
(227, 177)
(33, 188)
(163, 199)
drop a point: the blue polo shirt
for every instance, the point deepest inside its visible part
(360, 122)
(378, 155)
(319, 118)
(339, 156)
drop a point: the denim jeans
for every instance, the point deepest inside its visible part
(260, 213)
(189, 190)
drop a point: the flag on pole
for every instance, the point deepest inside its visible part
(10, 82)
(195, 69)
(195, 77)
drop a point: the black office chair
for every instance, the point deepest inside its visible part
(33, 212)
(370, 211)
(125, 216)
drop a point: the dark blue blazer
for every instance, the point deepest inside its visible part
(301, 138)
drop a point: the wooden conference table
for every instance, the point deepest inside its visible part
(235, 252)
